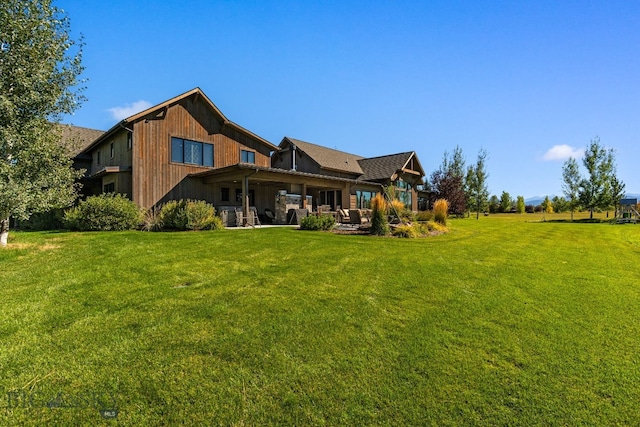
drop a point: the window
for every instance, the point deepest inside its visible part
(98, 157)
(112, 150)
(109, 188)
(129, 141)
(191, 152)
(224, 194)
(363, 199)
(247, 156)
(403, 190)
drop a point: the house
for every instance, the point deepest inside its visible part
(186, 148)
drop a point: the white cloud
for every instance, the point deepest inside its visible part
(563, 152)
(119, 113)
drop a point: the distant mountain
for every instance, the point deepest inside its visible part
(536, 200)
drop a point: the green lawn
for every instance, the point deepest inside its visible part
(503, 321)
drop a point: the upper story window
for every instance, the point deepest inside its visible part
(112, 150)
(129, 141)
(98, 157)
(247, 156)
(191, 152)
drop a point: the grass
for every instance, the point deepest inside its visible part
(503, 321)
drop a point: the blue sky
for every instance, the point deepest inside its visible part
(529, 81)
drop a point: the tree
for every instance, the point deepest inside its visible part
(617, 192)
(477, 183)
(595, 191)
(505, 202)
(520, 206)
(494, 204)
(559, 204)
(447, 181)
(571, 184)
(449, 187)
(546, 205)
(40, 67)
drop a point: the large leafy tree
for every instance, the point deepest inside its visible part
(595, 189)
(40, 67)
(476, 181)
(505, 202)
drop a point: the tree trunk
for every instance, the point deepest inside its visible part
(4, 232)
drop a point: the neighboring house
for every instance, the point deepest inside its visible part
(186, 148)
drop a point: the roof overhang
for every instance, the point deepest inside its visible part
(109, 170)
(264, 174)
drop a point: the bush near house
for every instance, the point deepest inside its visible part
(104, 212)
(185, 215)
(321, 222)
(40, 221)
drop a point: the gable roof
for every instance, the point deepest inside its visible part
(384, 167)
(193, 92)
(79, 138)
(327, 158)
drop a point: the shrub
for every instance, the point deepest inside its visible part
(50, 220)
(436, 226)
(151, 220)
(440, 208)
(321, 222)
(424, 216)
(185, 215)
(104, 212)
(379, 223)
(202, 216)
(396, 206)
(173, 215)
(405, 230)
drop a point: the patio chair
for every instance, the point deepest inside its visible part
(268, 213)
(343, 216)
(354, 216)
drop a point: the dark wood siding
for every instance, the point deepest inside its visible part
(156, 179)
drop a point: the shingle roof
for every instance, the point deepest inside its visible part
(384, 167)
(328, 158)
(79, 137)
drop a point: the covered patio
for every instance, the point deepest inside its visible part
(251, 188)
